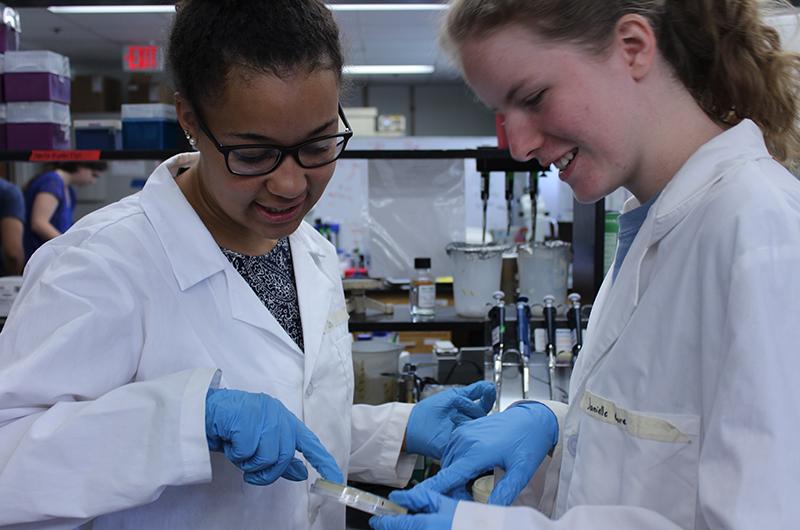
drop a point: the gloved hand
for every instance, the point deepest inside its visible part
(435, 512)
(259, 435)
(433, 419)
(516, 440)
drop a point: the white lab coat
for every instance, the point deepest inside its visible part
(685, 408)
(119, 329)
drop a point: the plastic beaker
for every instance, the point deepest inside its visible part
(371, 358)
(543, 270)
(476, 276)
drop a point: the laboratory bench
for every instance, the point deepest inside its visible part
(445, 318)
(466, 331)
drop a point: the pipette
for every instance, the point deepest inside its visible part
(485, 200)
(574, 319)
(509, 199)
(549, 313)
(533, 191)
(497, 316)
(524, 340)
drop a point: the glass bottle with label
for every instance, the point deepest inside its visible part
(422, 298)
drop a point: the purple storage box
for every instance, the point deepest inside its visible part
(2, 76)
(37, 125)
(28, 136)
(36, 87)
(3, 145)
(9, 30)
(37, 76)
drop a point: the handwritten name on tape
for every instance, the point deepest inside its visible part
(638, 425)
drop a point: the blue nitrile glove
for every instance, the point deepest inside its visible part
(435, 512)
(259, 435)
(517, 440)
(433, 419)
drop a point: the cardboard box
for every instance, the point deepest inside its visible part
(362, 120)
(96, 93)
(146, 88)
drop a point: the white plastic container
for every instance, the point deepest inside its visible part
(476, 276)
(543, 269)
(482, 489)
(371, 358)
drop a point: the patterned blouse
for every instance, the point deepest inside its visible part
(271, 276)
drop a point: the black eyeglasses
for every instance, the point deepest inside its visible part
(253, 160)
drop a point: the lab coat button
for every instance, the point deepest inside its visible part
(572, 444)
(309, 390)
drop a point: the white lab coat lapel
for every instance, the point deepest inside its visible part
(247, 307)
(192, 251)
(616, 304)
(315, 293)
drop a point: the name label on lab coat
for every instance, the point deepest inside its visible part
(337, 317)
(638, 425)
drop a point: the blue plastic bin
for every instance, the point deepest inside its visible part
(149, 134)
(105, 135)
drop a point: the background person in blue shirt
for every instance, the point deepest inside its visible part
(12, 219)
(50, 201)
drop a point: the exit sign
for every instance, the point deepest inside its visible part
(143, 58)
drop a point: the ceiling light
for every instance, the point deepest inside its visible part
(117, 9)
(120, 9)
(388, 69)
(387, 7)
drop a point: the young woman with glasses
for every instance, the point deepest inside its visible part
(175, 359)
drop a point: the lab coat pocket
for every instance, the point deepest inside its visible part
(638, 458)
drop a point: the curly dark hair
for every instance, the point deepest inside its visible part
(210, 37)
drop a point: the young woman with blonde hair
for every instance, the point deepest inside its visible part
(684, 405)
